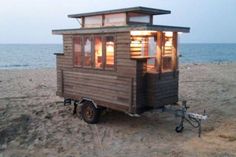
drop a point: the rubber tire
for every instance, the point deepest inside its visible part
(95, 113)
(179, 129)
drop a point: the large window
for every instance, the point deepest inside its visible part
(110, 49)
(144, 46)
(95, 51)
(159, 47)
(77, 51)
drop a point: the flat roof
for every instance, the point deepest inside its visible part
(114, 29)
(145, 10)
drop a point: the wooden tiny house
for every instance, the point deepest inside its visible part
(120, 60)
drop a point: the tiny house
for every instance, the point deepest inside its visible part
(119, 60)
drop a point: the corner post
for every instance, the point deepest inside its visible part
(174, 51)
(159, 52)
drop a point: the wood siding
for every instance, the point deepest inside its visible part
(162, 89)
(115, 89)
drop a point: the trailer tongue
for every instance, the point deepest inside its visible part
(194, 119)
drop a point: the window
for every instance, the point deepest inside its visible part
(77, 51)
(95, 51)
(87, 51)
(144, 46)
(139, 18)
(152, 50)
(160, 48)
(110, 49)
(115, 19)
(93, 21)
(167, 52)
(98, 52)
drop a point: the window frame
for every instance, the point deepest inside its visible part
(93, 66)
(128, 15)
(105, 17)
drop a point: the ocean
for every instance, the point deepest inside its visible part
(34, 56)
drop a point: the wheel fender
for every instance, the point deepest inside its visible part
(88, 99)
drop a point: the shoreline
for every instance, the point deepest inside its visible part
(181, 64)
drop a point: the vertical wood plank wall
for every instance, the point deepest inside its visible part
(162, 90)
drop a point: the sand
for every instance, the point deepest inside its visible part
(34, 122)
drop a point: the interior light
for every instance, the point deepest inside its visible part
(137, 33)
(110, 47)
(168, 34)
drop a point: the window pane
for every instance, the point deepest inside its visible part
(77, 51)
(168, 43)
(98, 52)
(167, 53)
(110, 51)
(115, 19)
(87, 51)
(151, 50)
(93, 21)
(142, 18)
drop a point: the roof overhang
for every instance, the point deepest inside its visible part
(114, 29)
(143, 10)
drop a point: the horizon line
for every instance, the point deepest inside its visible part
(62, 43)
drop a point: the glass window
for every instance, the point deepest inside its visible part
(87, 51)
(77, 51)
(167, 52)
(139, 18)
(151, 50)
(115, 19)
(93, 21)
(145, 46)
(110, 49)
(98, 52)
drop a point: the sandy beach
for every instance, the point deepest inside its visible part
(34, 122)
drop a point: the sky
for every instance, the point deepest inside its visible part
(31, 21)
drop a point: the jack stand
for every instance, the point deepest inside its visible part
(193, 119)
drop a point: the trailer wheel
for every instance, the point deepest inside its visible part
(90, 113)
(179, 129)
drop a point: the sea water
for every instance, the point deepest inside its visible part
(33, 56)
(207, 53)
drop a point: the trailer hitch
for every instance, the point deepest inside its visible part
(194, 119)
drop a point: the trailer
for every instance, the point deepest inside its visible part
(118, 59)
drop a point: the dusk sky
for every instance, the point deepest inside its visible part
(31, 21)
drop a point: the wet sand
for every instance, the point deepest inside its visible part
(34, 122)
